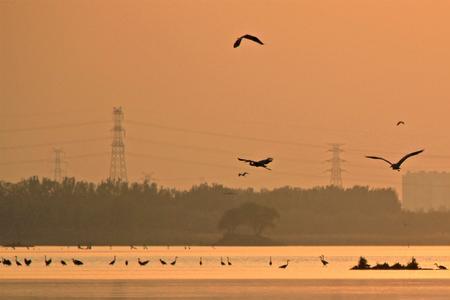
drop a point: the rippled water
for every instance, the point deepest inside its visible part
(249, 276)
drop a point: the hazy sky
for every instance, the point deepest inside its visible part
(330, 71)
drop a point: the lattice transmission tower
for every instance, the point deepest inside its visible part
(58, 161)
(118, 169)
(336, 170)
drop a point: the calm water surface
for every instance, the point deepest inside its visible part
(249, 276)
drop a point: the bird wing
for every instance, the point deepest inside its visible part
(376, 157)
(400, 122)
(409, 155)
(237, 43)
(266, 161)
(253, 38)
(246, 160)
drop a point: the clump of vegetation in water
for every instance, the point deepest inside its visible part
(363, 265)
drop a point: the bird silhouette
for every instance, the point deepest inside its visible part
(63, 262)
(270, 261)
(441, 267)
(113, 261)
(243, 174)
(284, 266)
(174, 261)
(47, 261)
(162, 262)
(228, 261)
(322, 259)
(200, 262)
(77, 262)
(400, 123)
(27, 261)
(221, 262)
(396, 166)
(248, 37)
(6, 261)
(143, 263)
(18, 263)
(260, 163)
(126, 262)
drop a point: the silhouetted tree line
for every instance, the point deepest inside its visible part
(42, 211)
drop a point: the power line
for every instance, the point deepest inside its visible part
(224, 135)
(47, 160)
(56, 126)
(67, 142)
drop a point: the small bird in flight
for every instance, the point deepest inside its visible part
(248, 37)
(260, 163)
(396, 166)
(400, 123)
(243, 174)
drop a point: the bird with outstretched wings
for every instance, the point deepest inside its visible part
(248, 37)
(396, 166)
(259, 163)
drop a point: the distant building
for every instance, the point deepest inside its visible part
(426, 191)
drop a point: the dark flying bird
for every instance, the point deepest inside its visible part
(260, 163)
(400, 123)
(200, 262)
(243, 174)
(248, 37)
(63, 262)
(6, 261)
(113, 261)
(221, 262)
(162, 262)
(228, 261)
(396, 166)
(270, 261)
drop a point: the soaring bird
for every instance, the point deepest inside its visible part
(243, 174)
(200, 262)
(77, 262)
(221, 262)
(400, 123)
(441, 267)
(47, 261)
(126, 262)
(18, 263)
(396, 166)
(248, 37)
(111, 263)
(284, 266)
(260, 163)
(174, 261)
(143, 263)
(63, 262)
(322, 259)
(270, 261)
(228, 261)
(162, 262)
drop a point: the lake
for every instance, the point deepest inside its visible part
(249, 277)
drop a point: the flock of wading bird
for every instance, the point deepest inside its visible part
(263, 163)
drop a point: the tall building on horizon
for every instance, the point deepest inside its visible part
(425, 191)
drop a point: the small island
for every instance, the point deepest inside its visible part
(412, 265)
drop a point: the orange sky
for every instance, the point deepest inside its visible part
(331, 71)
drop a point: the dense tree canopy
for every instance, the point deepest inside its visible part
(42, 211)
